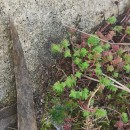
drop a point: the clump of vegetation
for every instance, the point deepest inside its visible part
(93, 95)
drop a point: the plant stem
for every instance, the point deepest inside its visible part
(122, 86)
(90, 78)
(123, 37)
(85, 33)
(93, 94)
(104, 27)
(123, 44)
(95, 36)
(112, 110)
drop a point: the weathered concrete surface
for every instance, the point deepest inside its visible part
(39, 23)
(8, 117)
(6, 122)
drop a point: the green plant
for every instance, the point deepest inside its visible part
(118, 29)
(89, 59)
(96, 62)
(128, 30)
(112, 20)
(100, 113)
(124, 117)
(58, 114)
(46, 124)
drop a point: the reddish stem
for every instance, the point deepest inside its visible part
(125, 17)
(91, 66)
(85, 107)
(123, 37)
(73, 68)
(102, 29)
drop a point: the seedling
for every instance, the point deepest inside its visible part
(110, 21)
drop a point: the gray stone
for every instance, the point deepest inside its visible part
(39, 23)
(6, 122)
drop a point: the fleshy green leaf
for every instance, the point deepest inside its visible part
(115, 74)
(79, 94)
(110, 68)
(120, 52)
(93, 40)
(127, 30)
(98, 65)
(85, 94)
(118, 28)
(67, 53)
(63, 84)
(112, 88)
(98, 49)
(55, 48)
(105, 81)
(124, 117)
(58, 87)
(90, 56)
(65, 43)
(76, 53)
(58, 114)
(86, 113)
(77, 61)
(73, 94)
(127, 58)
(98, 71)
(127, 68)
(106, 46)
(70, 81)
(112, 20)
(84, 65)
(83, 52)
(100, 113)
(78, 74)
(110, 57)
